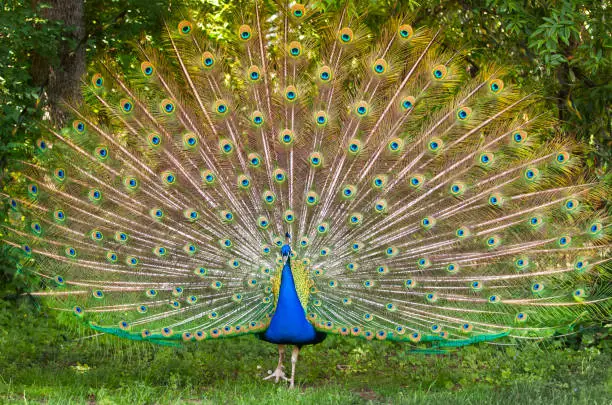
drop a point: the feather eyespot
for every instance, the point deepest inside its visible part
(154, 139)
(531, 174)
(521, 262)
(167, 106)
(435, 145)
(286, 137)
(486, 159)
(245, 32)
(254, 74)
(208, 60)
(185, 27)
(431, 297)
(97, 80)
(168, 177)
(439, 72)
(208, 177)
(226, 146)
(395, 145)
(295, 49)
(380, 66)
(157, 213)
(79, 126)
(322, 228)
(493, 241)
(59, 174)
(354, 146)
(291, 93)
(325, 74)
(416, 181)
(312, 198)
(101, 153)
(269, 197)
(407, 103)
(298, 10)
(257, 118)
(243, 181)
(405, 31)
(380, 206)
(321, 118)
(289, 216)
(457, 189)
(495, 200)
(428, 222)
(263, 222)
(391, 251)
(345, 35)
(595, 228)
(361, 109)
(147, 68)
(190, 249)
(221, 107)
(380, 181)
(564, 241)
(126, 105)
(70, 252)
(42, 144)
(191, 215)
(96, 235)
(254, 159)
(316, 159)
(519, 137)
(464, 113)
(36, 228)
(562, 158)
(462, 232)
(349, 191)
(496, 86)
(571, 205)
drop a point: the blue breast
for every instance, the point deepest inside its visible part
(289, 324)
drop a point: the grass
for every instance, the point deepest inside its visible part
(47, 365)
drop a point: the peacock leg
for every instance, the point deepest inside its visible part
(294, 359)
(279, 373)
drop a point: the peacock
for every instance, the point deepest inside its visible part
(306, 177)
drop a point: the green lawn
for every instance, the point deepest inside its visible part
(41, 363)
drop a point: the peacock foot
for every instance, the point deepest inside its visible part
(277, 375)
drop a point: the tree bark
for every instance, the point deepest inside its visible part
(62, 82)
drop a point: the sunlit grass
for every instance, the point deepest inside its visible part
(338, 371)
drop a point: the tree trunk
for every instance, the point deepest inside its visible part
(62, 82)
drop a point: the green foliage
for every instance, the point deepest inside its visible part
(23, 34)
(561, 47)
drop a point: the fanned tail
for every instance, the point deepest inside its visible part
(425, 205)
